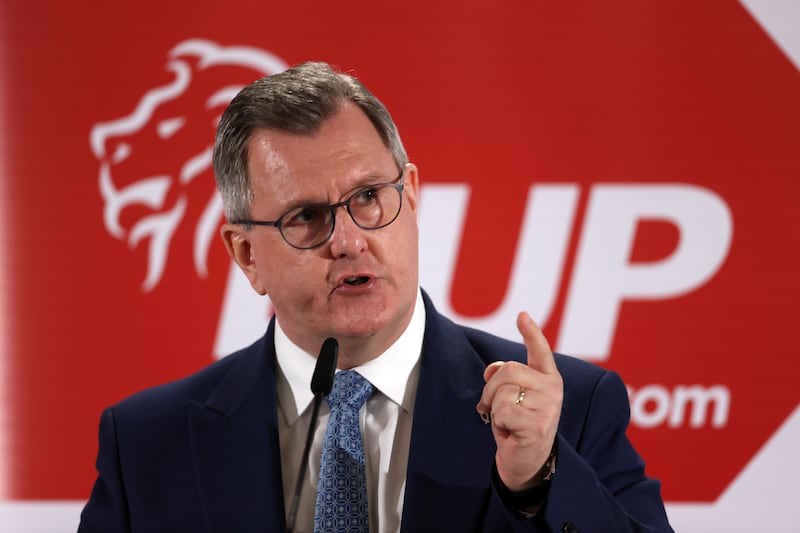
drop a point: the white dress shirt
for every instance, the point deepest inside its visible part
(385, 424)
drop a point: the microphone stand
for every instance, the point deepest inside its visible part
(321, 385)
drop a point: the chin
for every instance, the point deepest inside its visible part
(362, 331)
(361, 325)
(368, 317)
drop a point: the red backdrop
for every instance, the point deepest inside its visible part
(627, 172)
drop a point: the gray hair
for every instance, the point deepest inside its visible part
(298, 101)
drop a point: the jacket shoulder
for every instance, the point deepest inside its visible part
(172, 397)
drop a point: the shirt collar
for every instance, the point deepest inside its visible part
(388, 373)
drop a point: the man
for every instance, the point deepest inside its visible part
(461, 431)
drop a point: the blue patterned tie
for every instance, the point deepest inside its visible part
(342, 494)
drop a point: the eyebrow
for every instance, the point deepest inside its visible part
(365, 181)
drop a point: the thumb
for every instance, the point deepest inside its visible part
(540, 357)
(491, 370)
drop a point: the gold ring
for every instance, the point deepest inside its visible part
(520, 396)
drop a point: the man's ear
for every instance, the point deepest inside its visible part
(411, 185)
(237, 243)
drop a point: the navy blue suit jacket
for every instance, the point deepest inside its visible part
(202, 454)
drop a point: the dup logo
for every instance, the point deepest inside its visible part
(169, 120)
(155, 181)
(163, 130)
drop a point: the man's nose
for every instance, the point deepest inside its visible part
(347, 239)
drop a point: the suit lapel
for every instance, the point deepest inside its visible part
(234, 439)
(447, 483)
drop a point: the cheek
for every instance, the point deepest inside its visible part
(292, 277)
(405, 247)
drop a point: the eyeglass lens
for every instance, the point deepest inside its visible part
(373, 207)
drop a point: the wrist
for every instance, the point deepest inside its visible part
(528, 501)
(548, 469)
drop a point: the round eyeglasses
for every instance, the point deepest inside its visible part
(311, 225)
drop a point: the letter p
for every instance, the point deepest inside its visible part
(604, 276)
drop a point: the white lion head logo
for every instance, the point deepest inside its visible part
(149, 158)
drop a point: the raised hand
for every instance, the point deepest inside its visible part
(525, 406)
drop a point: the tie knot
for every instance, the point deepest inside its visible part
(350, 389)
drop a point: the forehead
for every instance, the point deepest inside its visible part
(344, 151)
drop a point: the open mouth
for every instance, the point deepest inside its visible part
(356, 280)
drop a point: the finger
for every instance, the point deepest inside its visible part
(540, 357)
(491, 370)
(499, 374)
(506, 415)
(485, 404)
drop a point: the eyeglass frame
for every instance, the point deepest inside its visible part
(277, 223)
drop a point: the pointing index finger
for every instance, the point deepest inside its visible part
(540, 357)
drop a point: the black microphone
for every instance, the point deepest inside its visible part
(321, 385)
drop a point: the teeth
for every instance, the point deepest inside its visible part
(358, 280)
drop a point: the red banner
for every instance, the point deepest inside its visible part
(626, 173)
